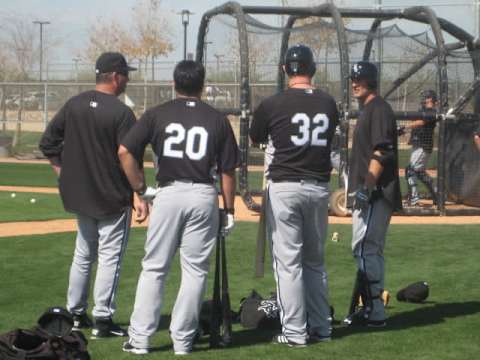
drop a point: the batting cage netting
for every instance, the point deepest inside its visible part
(416, 53)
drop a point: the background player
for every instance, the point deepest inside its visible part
(299, 124)
(81, 143)
(373, 186)
(421, 139)
(194, 144)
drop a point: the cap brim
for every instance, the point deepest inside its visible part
(131, 68)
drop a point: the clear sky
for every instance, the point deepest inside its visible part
(70, 19)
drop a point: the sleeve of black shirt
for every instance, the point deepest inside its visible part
(383, 132)
(51, 143)
(127, 121)
(228, 158)
(259, 126)
(139, 136)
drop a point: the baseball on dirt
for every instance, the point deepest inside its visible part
(33, 200)
(335, 237)
(12, 195)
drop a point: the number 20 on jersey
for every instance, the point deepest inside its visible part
(180, 137)
(310, 130)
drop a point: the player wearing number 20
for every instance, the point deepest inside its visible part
(298, 124)
(195, 145)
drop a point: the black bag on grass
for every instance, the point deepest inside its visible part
(52, 339)
(415, 293)
(258, 313)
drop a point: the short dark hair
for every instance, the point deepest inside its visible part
(104, 78)
(189, 77)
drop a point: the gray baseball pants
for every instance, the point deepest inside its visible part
(184, 216)
(418, 161)
(368, 242)
(104, 240)
(297, 216)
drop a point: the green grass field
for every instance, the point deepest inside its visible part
(34, 273)
(20, 208)
(42, 175)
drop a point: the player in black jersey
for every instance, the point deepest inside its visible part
(421, 139)
(195, 145)
(373, 190)
(298, 124)
(81, 143)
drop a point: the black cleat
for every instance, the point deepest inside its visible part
(107, 328)
(81, 321)
(317, 338)
(128, 347)
(282, 339)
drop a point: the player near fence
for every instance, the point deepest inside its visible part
(421, 139)
(298, 124)
(195, 145)
(81, 143)
(373, 189)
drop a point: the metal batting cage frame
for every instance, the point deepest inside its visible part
(449, 118)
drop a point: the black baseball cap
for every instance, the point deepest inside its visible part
(112, 62)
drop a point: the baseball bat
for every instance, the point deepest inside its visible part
(226, 307)
(261, 240)
(215, 321)
(355, 296)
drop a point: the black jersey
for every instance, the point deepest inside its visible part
(376, 130)
(299, 125)
(83, 138)
(192, 140)
(422, 136)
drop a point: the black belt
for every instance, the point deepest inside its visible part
(301, 181)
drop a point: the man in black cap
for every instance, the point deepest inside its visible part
(81, 143)
(373, 190)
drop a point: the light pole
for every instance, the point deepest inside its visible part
(218, 57)
(41, 23)
(205, 46)
(185, 20)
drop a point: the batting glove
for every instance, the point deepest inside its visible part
(362, 199)
(149, 194)
(228, 225)
(401, 130)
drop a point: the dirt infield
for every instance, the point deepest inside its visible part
(241, 214)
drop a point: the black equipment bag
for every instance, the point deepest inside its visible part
(416, 292)
(52, 339)
(259, 313)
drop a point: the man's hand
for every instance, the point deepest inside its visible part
(362, 199)
(401, 130)
(149, 194)
(141, 209)
(229, 224)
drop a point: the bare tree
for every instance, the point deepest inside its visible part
(18, 39)
(149, 35)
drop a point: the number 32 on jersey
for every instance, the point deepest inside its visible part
(310, 130)
(194, 141)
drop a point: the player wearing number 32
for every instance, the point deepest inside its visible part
(298, 124)
(195, 145)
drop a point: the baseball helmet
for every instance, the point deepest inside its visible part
(364, 70)
(429, 94)
(299, 61)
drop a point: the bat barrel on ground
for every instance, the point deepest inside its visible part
(221, 321)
